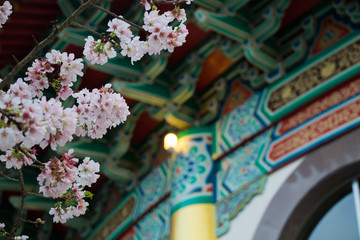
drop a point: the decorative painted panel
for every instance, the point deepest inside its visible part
(193, 170)
(230, 206)
(241, 167)
(149, 191)
(315, 108)
(301, 86)
(314, 132)
(155, 225)
(238, 125)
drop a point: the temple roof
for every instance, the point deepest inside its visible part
(263, 40)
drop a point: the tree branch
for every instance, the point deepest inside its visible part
(28, 155)
(8, 178)
(44, 42)
(7, 115)
(116, 16)
(37, 195)
(36, 223)
(23, 196)
(87, 28)
(169, 2)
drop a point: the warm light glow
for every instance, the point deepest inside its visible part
(170, 141)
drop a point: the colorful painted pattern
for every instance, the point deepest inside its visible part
(241, 167)
(314, 132)
(238, 94)
(238, 125)
(316, 78)
(153, 187)
(330, 33)
(331, 99)
(234, 203)
(234, 181)
(155, 225)
(149, 191)
(192, 170)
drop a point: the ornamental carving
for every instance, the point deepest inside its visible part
(315, 76)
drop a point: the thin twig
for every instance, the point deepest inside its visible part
(31, 222)
(101, 36)
(173, 2)
(37, 195)
(29, 156)
(36, 166)
(116, 16)
(75, 24)
(44, 42)
(8, 178)
(23, 196)
(16, 60)
(18, 124)
(35, 40)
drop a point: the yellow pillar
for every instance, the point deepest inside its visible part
(194, 222)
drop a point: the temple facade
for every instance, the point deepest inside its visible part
(265, 100)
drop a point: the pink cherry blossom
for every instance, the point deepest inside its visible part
(8, 138)
(98, 52)
(16, 159)
(63, 69)
(99, 110)
(27, 118)
(87, 171)
(146, 4)
(5, 11)
(121, 29)
(23, 237)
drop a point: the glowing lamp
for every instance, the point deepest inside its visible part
(170, 141)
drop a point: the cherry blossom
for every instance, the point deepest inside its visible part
(98, 52)
(21, 121)
(62, 178)
(146, 4)
(59, 70)
(120, 29)
(58, 175)
(87, 172)
(16, 159)
(5, 11)
(73, 206)
(29, 119)
(99, 110)
(23, 237)
(161, 35)
(61, 123)
(4, 233)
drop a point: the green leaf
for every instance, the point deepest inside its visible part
(89, 195)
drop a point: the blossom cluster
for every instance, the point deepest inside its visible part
(99, 110)
(29, 119)
(21, 118)
(5, 11)
(98, 52)
(161, 35)
(16, 159)
(62, 178)
(58, 69)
